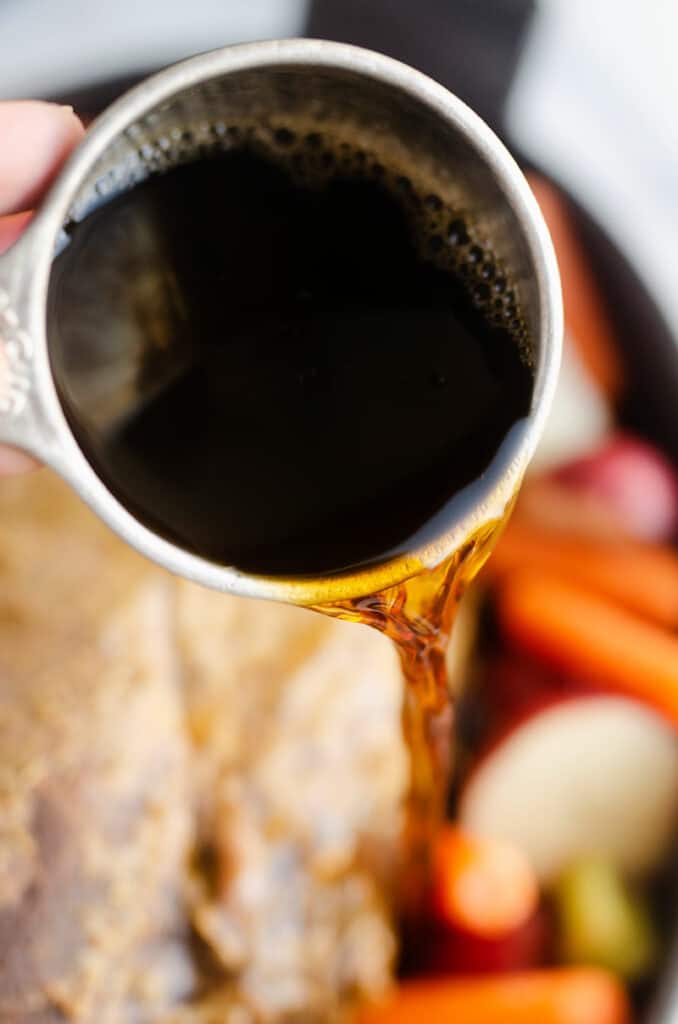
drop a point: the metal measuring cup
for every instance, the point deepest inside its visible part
(182, 112)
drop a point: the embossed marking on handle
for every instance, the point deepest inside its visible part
(16, 352)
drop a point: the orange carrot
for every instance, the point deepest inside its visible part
(640, 577)
(587, 636)
(575, 995)
(481, 885)
(586, 318)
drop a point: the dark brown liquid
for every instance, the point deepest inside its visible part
(309, 393)
(298, 377)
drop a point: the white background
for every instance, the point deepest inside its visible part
(596, 102)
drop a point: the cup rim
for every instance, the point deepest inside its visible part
(55, 443)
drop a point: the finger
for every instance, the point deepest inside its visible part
(14, 462)
(11, 227)
(35, 139)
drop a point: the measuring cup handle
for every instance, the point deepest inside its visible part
(22, 424)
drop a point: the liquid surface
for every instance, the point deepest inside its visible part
(283, 376)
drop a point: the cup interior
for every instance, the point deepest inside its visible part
(101, 374)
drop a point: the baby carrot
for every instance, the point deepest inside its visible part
(481, 885)
(586, 318)
(641, 577)
(575, 995)
(589, 637)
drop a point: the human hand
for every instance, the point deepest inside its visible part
(35, 139)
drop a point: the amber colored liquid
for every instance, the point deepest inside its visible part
(418, 616)
(300, 373)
